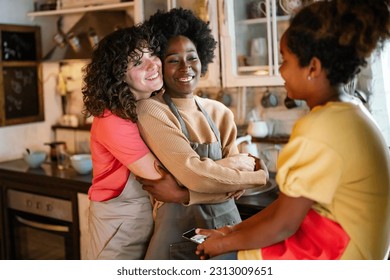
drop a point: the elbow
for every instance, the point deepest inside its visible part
(286, 231)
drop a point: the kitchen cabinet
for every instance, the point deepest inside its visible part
(140, 10)
(132, 7)
(206, 10)
(2, 246)
(250, 42)
(79, 28)
(83, 211)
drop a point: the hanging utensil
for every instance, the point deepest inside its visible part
(290, 103)
(225, 97)
(269, 100)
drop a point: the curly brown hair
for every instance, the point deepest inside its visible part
(342, 34)
(103, 78)
(179, 21)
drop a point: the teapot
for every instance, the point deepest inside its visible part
(245, 145)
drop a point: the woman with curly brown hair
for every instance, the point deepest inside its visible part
(123, 69)
(334, 173)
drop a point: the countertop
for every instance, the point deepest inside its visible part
(48, 175)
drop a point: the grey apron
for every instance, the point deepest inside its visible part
(173, 219)
(120, 228)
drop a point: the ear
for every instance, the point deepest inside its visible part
(315, 67)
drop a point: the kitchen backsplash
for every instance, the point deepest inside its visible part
(260, 103)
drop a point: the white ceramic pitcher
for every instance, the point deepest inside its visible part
(245, 145)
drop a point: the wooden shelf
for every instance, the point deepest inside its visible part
(86, 127)
(262, 20)
(123, 5)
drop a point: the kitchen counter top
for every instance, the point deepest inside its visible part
(47, 175)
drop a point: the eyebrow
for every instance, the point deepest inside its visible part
(191, 50)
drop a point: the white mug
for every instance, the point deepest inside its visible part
(258, 51)
(258, 128)
(256, 9)
(258, 47)
(289, 6)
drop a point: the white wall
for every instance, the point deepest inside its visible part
(374, 80)
(15, 139)
(386, 86)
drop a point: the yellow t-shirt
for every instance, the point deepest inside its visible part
(337, 157)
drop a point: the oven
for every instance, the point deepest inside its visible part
(40, 227)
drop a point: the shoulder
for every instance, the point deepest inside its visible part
(111, 119)
(153, 111)
(146, 106)
(212, 105)
(110, 122)
(325, 118)
(209, 102)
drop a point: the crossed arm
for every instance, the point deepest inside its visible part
(165, 188)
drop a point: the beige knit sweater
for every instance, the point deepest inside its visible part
(207, 181)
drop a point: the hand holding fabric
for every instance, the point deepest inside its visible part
(260, 164)
(166, 188)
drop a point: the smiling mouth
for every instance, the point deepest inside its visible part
(153, 77)
(186, 79)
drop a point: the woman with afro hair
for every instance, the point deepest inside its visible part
(193, 137)
(334, 173)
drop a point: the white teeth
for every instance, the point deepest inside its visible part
(185, 79)
(153, 77)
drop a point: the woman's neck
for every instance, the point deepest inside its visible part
(176, 94)
(334, 94)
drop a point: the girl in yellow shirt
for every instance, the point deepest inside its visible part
(334, 174)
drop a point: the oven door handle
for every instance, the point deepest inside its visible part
(38, 225)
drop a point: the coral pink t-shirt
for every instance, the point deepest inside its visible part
(115, 143)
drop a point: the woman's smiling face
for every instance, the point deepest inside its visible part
(143, 75)
(181, 67)
(294, 75)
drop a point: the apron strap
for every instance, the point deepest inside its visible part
(184, 129)
(210, 121)
(176, 112)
